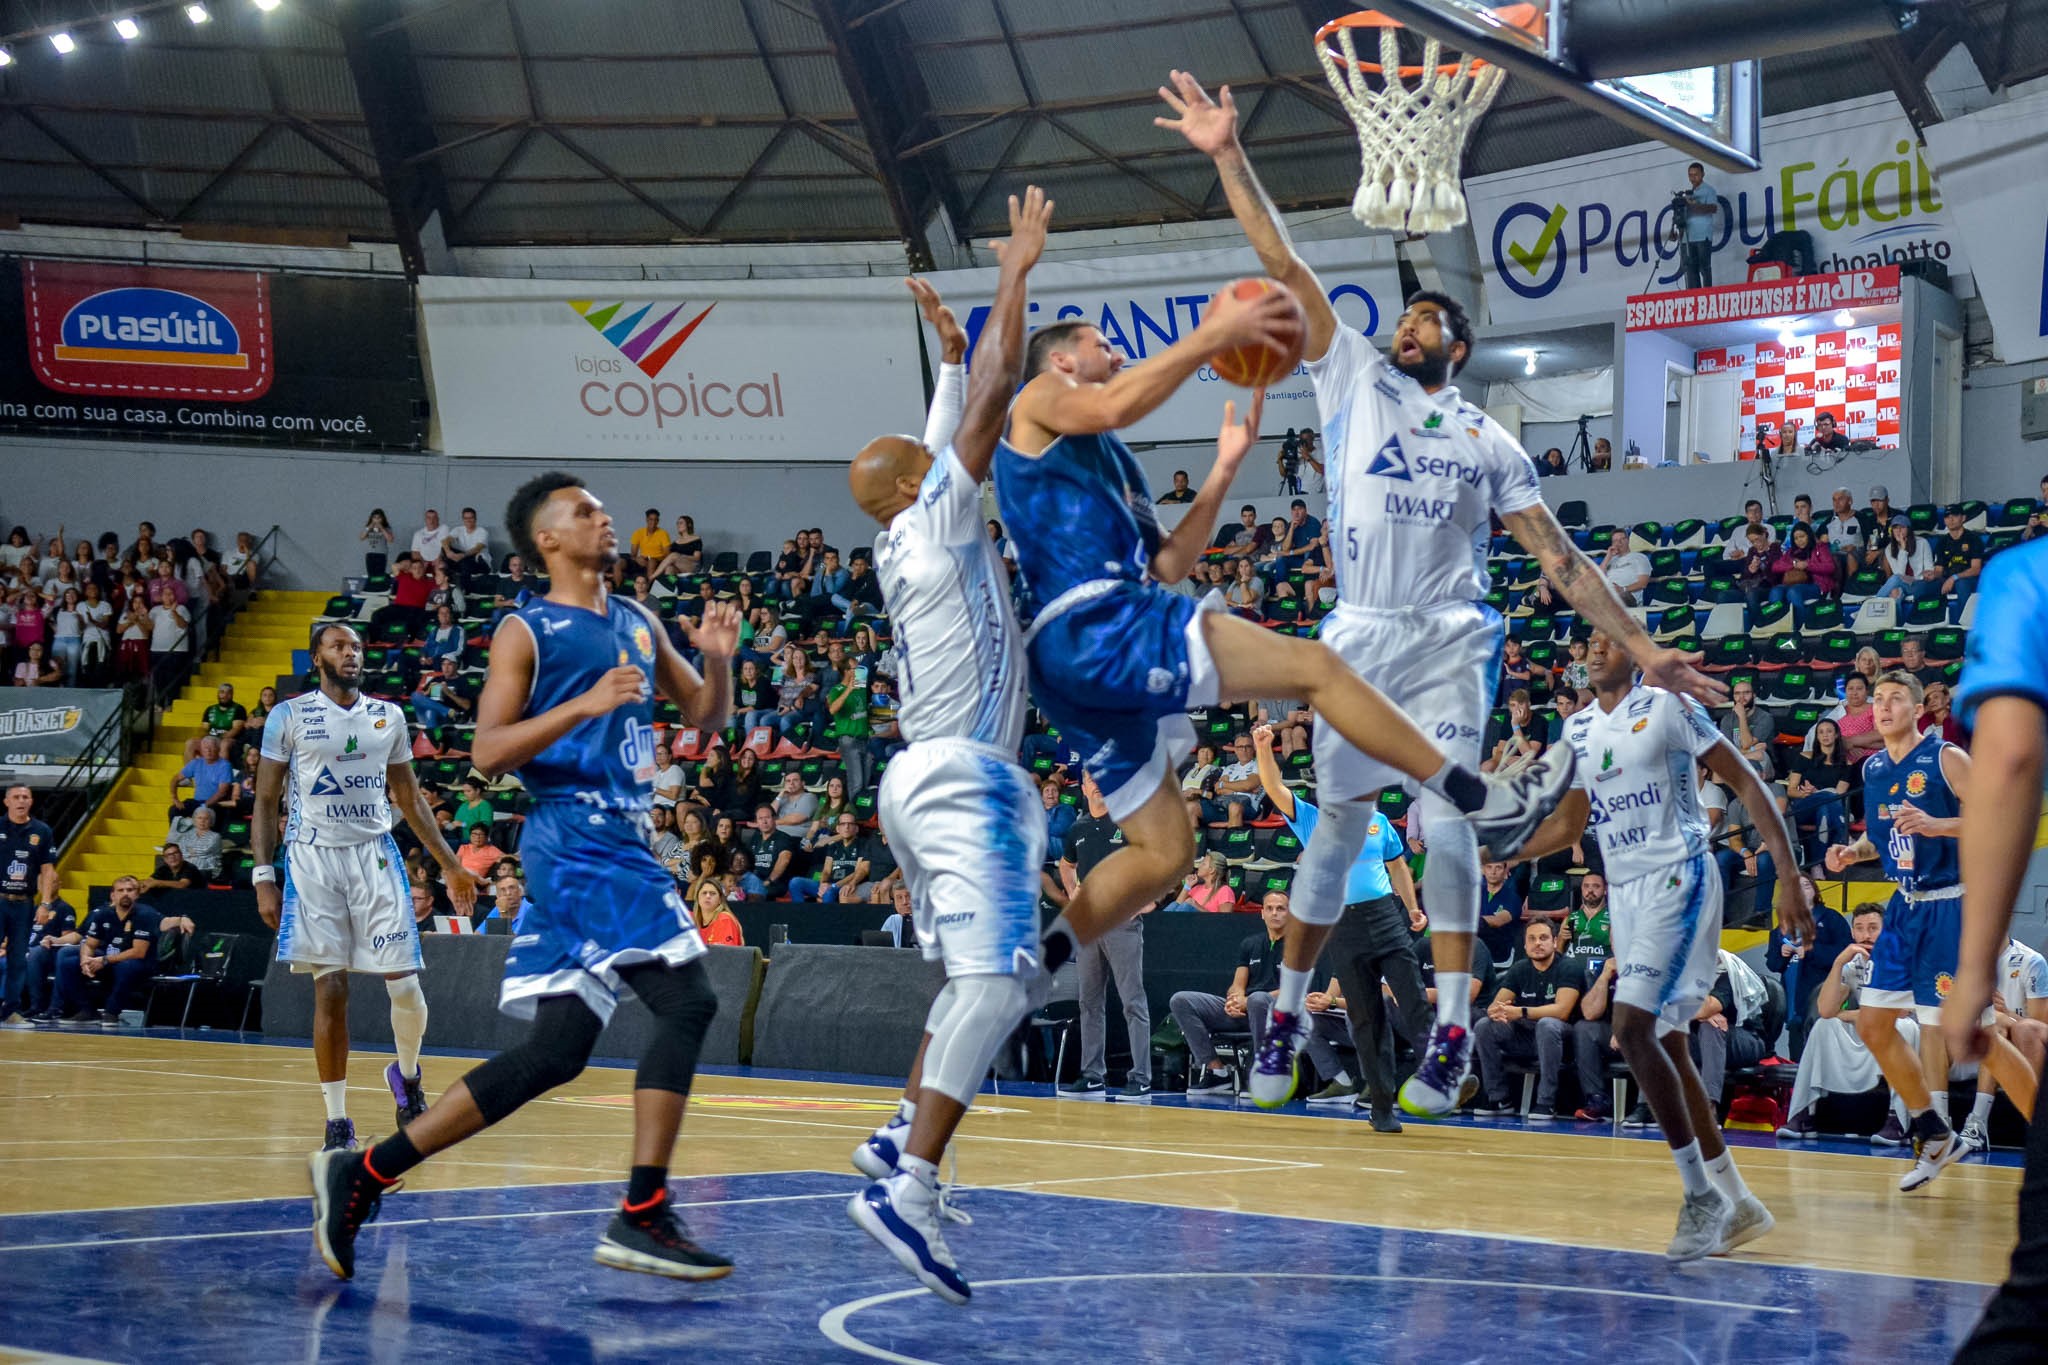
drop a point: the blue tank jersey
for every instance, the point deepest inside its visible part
(608, 761)
(1077, 514)
(1917, 862)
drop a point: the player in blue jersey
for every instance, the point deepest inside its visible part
(1117, 660)
(1913, 794)
(567, 706)
(2004, 701)
(963, 818)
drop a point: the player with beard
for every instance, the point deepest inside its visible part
(1415, 474)
(338, 895)
(567, 705)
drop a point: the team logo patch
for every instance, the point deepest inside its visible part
(643, 642)
(1158, 681)
(351, 746)
(1639, 726)
(1390, 461)
(325, 784)
(1916, 783)
(1943, 984)
(1435, 420)
(1606, 759)
(34, 839)
(378, 724)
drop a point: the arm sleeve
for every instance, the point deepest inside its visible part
(2007, 655)
(949, 399)
(277, 728)
(949, 501)
(1513, 484)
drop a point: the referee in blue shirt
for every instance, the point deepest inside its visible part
(28, 881)
(1370, 943)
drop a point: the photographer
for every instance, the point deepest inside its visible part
(1695, 209)
(1289, 462)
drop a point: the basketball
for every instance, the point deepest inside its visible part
(1254, 367)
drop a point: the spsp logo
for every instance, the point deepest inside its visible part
(101, 329)
(650, 347)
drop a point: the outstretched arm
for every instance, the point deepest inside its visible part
(1277, 792)
(949, 394)
(1211, 127)
(999, 359)
(1588, 590)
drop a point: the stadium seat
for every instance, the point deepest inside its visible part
(1878, 613)
(1968, 616)
(1835, 647)
(1926, 614)
(1945, 643)
(1921, 516)
(1772, 618)
(1975, 515)
(1790, 686)
(1690, 534)
(1234, 844)
(2011, 514)
(1819, 616)
(1572, 515)
(1549, 893)
(1728, 651)
(1668, 592)
(1724, 621)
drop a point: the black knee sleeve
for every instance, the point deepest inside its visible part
(683, 1005)
(554, 1053)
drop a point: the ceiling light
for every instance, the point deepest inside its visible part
(197, 13)
(64, 43)
(128, 29)
(6, 57)
(268, 5)
(1845, 318)
(1787, 337)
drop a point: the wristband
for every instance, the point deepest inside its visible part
(263, 874)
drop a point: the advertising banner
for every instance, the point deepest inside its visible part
(1764, 299)
(783, 370)
(1851, 374)
(1583, 235)
(44, 730)
(137, 352)
(1145, 303)
(1994, 167)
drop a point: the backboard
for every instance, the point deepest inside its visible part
(1712, 111)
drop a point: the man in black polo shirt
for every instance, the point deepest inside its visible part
(774, 853)
(117, 957)
(1119, 953)
(55, 929)
(28, 882)
(1959, 554)
(1200, 1014)
(1529, 1020)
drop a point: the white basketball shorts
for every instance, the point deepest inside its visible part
(1439, 664)
(1667, 940)
(347, 906)
(967, 826)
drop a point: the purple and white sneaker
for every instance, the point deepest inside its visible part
(410, 1094)
(1444, 1081)
(1277, 1071)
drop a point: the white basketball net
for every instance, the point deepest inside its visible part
(1410, 140)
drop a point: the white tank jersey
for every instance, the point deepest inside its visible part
(2022, 976)
(334, 759)
(948, 596)
(1638, 763)
(1412, 477)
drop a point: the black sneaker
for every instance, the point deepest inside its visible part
(110, 1018)
(1492, 1109)
(1384, 1119)
(1517, 804)
(1208, 1082)
(81, 1016)
(345, 1196)
(410, 1093)
(1135, 1089)
(655, 1243)
(341, 1136)
(1893, 1134)
(1639, 1117)
(1081, 1085)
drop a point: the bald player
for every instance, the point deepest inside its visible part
(963, 819)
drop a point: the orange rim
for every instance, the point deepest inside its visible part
(1527, 18)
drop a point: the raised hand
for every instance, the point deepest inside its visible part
(1028, 222)
(1272, 320)
(718, 634)
(1237, 438)
(1672, 670)
(1209, 125)
(952, 337)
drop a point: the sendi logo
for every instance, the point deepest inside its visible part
(325, 784)
(1392, 461)
(144, 326)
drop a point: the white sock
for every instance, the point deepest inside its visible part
(920, 1171)
(1980, 1112)
(408, 1022)
(1939, 1104)
(906, 1112)
(1454, 998)
(1691, 1169)
(335, 1093)
(1721, 1170)
(1292, 997)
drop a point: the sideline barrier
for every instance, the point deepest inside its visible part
(461, 979)
(858, 1010)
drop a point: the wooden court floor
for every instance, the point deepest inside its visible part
(91, 1121)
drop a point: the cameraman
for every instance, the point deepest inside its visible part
(1289, 462)
(1700, 205)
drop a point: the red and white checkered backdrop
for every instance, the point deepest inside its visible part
(1852, 374)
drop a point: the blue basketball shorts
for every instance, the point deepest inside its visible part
(1913, 962)
(599, 901)
(1116, 673)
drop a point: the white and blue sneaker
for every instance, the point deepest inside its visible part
(877, 1157)
(902, 1213)
(1276, 1073)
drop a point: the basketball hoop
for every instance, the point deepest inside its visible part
(1411, 137)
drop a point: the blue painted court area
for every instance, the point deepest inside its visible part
(505, 1273)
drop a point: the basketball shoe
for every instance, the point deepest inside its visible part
(1444, 1081)
(410, 1094)
(903, 1213)
(1277, 1071)
(653, 1241)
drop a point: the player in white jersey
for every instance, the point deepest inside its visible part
(2021, 1004)
(1413, 471)
(1639, 750)
(338, 895)
(963, 819)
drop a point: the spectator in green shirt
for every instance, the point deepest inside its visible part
(223, 720)
(1586, 930)
(474, 810)
(848, 704)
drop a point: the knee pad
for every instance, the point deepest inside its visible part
(986, 1011)
(405, 993)
(1339, 837)
(1452, 876)
(553, 1054)
(683, 1005)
